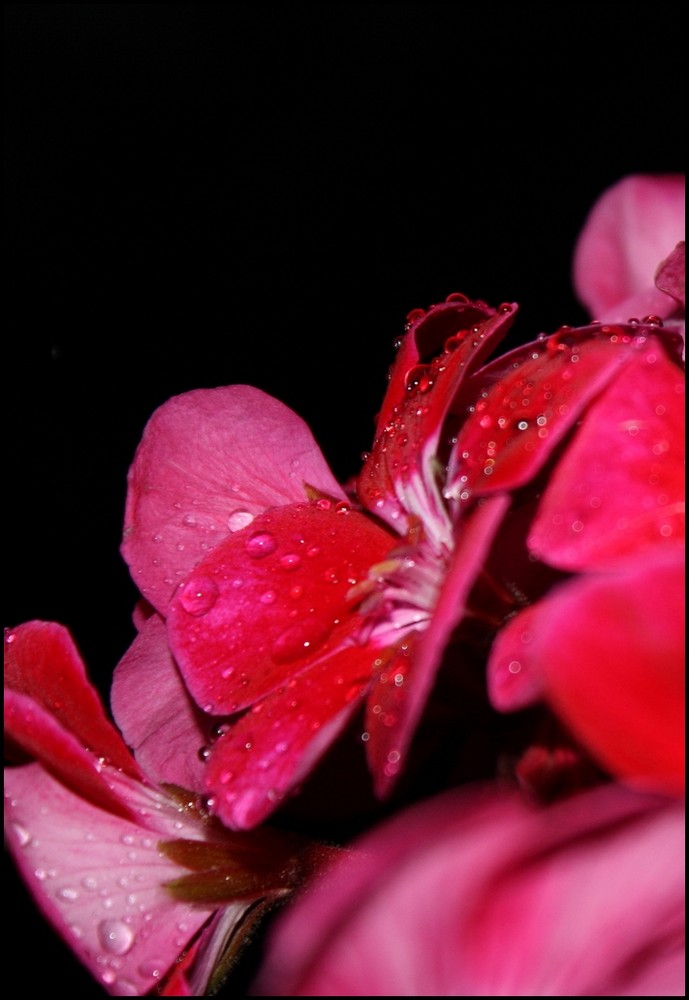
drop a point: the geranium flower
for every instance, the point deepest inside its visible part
(318, 601)
(474, 893)
(145, 888)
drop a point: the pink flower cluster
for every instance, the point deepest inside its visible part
(490, 617)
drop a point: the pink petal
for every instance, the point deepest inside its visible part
(42, 662)
(402, 686)
(99, 880)
(620, 484)
(632, 227)
(609, 651)
(670, 276)
(209, 461)
(155, 713)
(437, 354)
(477, 895)
(271, 600)
(525, 403)
(274, 746)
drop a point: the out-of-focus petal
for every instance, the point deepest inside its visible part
(620, 483)
(271, 600)
(609, 651)
(99, 879)
(208, 463)
(476, 894)
(632, 227)
(156, 715)
(670, 276)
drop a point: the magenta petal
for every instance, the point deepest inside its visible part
(271, 600)
(513, 683)
(620, 483)
(99, 880)
(402, 685)
(276, 744)
(42, 663)
(155, 713)
(209, 461)
(609, 651)
(629, 231)
(476, 894)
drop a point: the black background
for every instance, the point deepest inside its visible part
(202, 194)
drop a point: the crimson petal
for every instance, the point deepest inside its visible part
(526, 401)
(274, 746)
(620, 483)
(439, 351)
(271, 600)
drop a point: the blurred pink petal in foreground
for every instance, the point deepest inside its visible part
(476, 894)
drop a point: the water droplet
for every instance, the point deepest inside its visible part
(115, 936)
(199, 595)
(290, 561)
(68, 894)
(261, 544)
(269, 597)
(23, 836)
(239, 519)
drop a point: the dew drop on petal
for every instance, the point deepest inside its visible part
(23, 836)
(115, 936)
(261, 544)
(239, 519)
(199, 594)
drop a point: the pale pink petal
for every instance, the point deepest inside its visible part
(632, 227)
(476, 894)
(157, 717)
(209, 461)
(99, 880)
(670, 276)
(620, 484)
(42, 662)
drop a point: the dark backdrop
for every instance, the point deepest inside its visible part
(201, 194)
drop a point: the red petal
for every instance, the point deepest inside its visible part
(155, 713)
(527, 401)
(271, 600)
(513, 683)
(404, 682)
(276, 744)
(437, 354)
(208, 462)
(620, 483)
(610, 650)
(42, 662)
